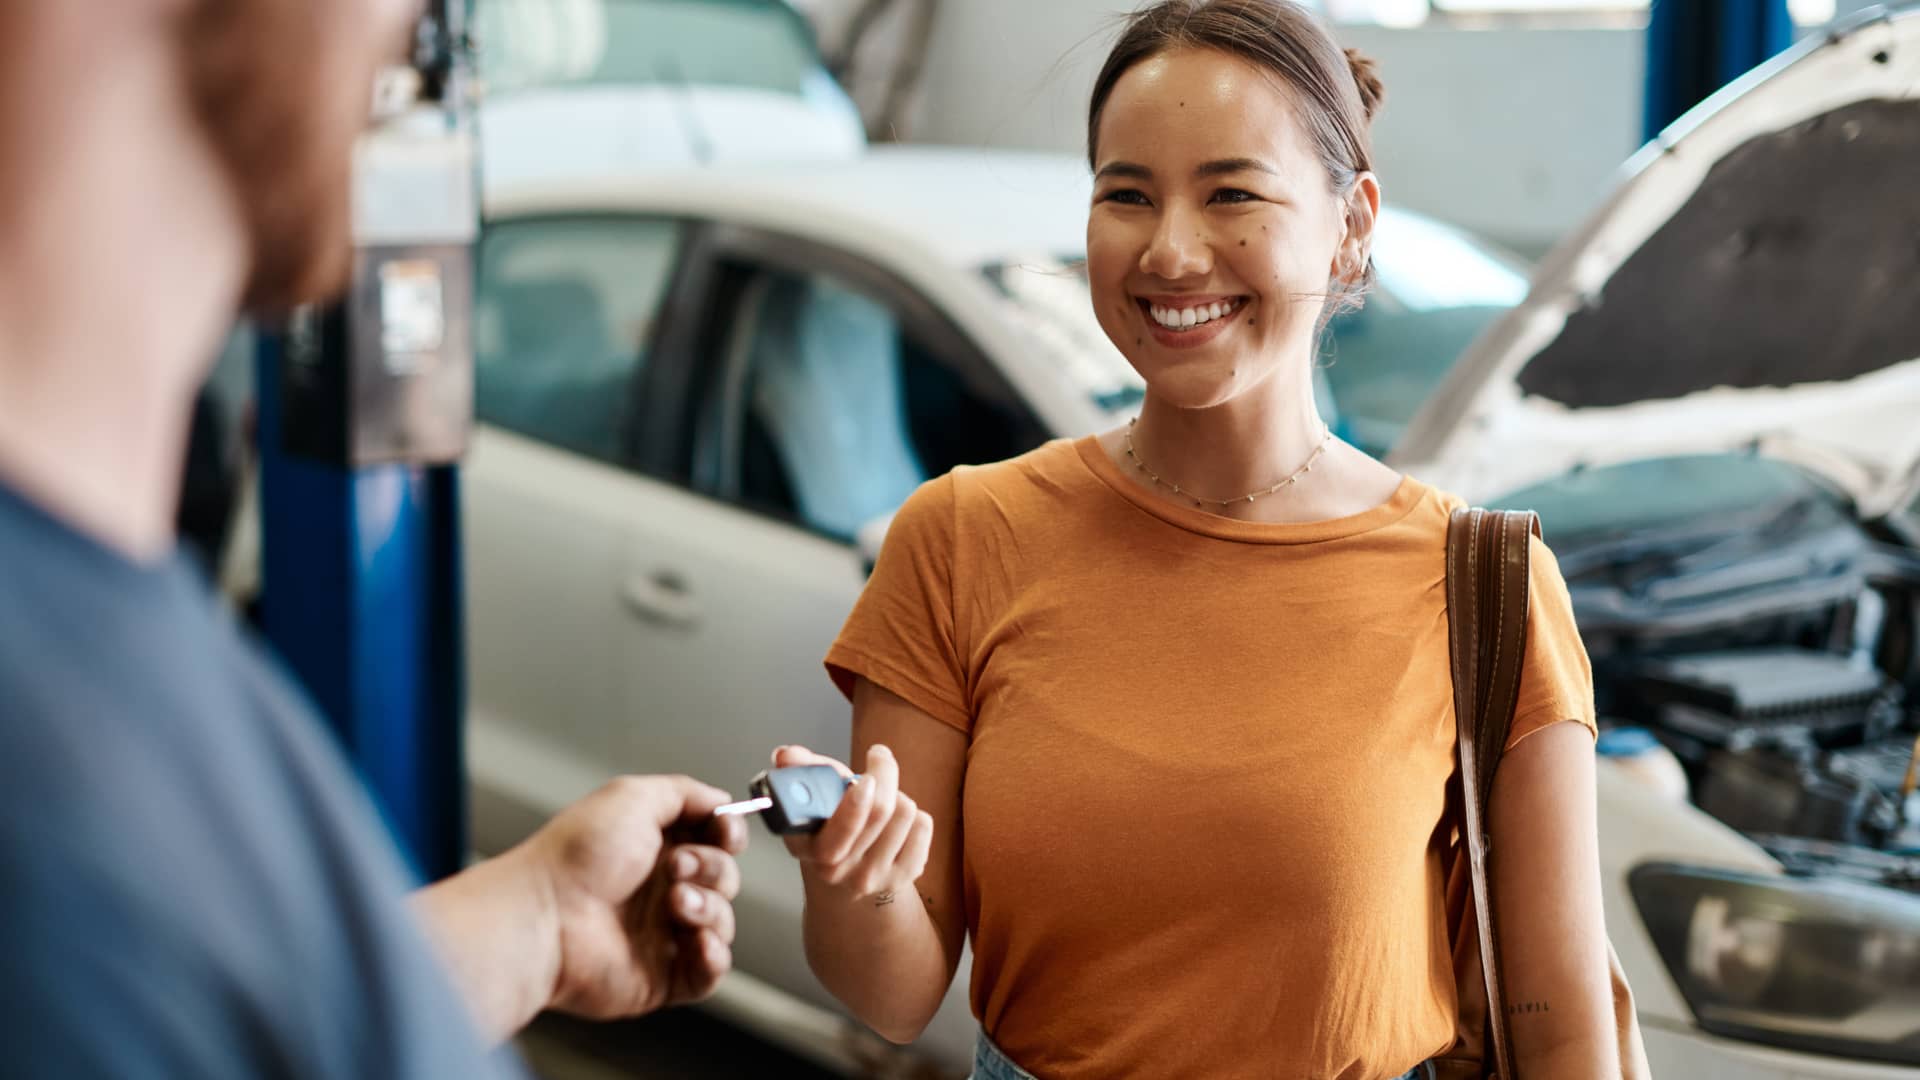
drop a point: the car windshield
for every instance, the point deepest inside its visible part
(1048, 298)
(756, 44)
(1659, 503)
(1438, 288)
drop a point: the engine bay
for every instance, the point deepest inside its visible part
(1785, 677)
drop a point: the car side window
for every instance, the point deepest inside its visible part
(836, 409)
(564, 315)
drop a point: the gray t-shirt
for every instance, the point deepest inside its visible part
(192, 883)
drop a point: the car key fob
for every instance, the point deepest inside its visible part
(801, 798)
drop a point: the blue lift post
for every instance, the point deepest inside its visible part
(361, 598)
(1695, 47)
(363, 413)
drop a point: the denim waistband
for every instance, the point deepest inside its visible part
(992, 1063)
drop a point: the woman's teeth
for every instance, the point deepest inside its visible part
(1188, 318)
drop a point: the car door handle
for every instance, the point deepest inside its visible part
(663, 598)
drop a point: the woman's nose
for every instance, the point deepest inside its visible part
(1179, 247)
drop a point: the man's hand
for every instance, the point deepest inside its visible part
(643, 879)
(620, 905)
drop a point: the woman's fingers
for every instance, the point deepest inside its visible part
(878, 870)
(912, 861)
(877, 838)
(788, 757)
(883, 772)
(835, 843)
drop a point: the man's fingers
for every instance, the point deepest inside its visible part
(702, 961)
(695, 908)
(729, 834)
(668, 800)
(708, 867)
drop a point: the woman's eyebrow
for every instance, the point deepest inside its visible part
(1124, 170)
(1234, 165)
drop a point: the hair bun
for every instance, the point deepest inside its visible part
(1366, 75)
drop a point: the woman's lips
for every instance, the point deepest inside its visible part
(1187, 322)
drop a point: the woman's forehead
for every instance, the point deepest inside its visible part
(1199, 103)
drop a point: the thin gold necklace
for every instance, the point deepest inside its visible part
(1202, 501)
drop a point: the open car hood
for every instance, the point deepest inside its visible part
(1753, 281)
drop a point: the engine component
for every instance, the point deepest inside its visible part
(1791, 699)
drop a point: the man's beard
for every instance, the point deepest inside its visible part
(281, 92)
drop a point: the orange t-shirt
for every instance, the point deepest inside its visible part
(1206, 768)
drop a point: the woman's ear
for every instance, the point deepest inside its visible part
(1362, 208)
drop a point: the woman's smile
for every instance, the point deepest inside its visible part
(1186, 322)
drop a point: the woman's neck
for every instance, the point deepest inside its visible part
(1246, 445)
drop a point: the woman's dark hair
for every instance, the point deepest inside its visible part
(1336, 92)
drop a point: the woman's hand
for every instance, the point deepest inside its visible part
(876, 844)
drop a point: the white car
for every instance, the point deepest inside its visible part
(578, 87)
(701, 396)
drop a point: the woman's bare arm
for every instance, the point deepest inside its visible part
(881, 941)
(1546, 886)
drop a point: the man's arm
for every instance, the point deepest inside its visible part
(600, 913)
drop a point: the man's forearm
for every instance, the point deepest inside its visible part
(496, 929)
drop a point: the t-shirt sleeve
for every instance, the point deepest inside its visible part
(1556, 678)
(901, 634)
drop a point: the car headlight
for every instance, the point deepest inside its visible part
(1825, 966)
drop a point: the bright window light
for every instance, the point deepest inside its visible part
(1530, 6)
(1811, 12)
(1395, 13)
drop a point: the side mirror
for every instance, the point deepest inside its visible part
(870, 537)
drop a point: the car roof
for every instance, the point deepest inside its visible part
(965, 207)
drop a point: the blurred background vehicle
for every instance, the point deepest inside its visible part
(585, 87)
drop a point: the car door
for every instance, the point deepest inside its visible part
(822, 394)
(567, 317)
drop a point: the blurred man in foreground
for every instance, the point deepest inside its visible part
(191, 883)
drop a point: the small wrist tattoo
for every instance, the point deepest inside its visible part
(1526, 1007)
(883, 899)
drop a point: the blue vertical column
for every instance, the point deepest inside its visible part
(1695, 47)
(361, 599)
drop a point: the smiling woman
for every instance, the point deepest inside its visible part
(1139, 633)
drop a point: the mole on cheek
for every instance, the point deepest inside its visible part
(1243, 243)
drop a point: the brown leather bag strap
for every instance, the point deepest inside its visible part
(1488, 554)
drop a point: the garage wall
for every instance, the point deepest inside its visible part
(1512, 132)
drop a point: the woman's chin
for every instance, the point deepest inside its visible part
(1189, 387)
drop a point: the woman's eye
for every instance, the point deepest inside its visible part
(1233, 195)
(1126, 197)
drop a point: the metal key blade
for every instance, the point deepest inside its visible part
(744, 806)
